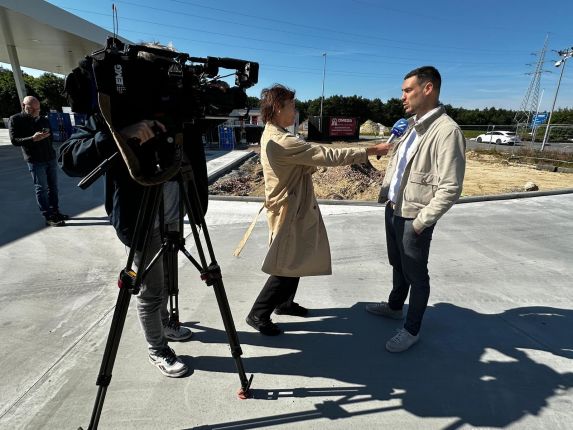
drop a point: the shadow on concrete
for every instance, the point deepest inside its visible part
(20, 215)
(482, 370)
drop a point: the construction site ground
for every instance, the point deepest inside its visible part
(486, 174)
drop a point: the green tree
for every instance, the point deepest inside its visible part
(9, 101)
(49, 89)
(376, 110)
(314, 107)
(302, 108)
(562, 116)
(253, 102)
(558, 133)
(393, 111)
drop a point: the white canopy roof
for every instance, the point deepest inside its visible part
(46, 37)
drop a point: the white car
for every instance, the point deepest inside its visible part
(505, 137)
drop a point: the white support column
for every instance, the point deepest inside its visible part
(13, 54)
(17, 71)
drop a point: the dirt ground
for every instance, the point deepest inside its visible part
(485, 175)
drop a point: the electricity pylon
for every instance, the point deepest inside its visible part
(531, 98)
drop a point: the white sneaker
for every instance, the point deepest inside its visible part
(176, 332)
(168, 363)
(382, 309)
(402, 341)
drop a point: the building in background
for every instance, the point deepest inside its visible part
(242, 128)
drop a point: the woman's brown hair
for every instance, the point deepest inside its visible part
(272, 99)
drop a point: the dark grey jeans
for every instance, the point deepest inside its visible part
(153, 296)
(408, 254)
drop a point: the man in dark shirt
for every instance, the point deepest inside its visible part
(31, 132)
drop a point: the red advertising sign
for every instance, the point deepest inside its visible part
(342, 126)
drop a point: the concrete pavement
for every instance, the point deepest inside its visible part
(496, 347)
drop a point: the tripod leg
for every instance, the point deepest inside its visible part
(211, 274)
(214, 273)
(174, 241)
(171, 274)
(112, 344)
(129, 283)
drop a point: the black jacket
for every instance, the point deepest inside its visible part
(92, 143)
(22, 127)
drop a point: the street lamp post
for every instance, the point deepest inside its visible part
(568, 53)
(322, 97)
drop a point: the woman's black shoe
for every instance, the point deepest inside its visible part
(295, 310)
(266, 327)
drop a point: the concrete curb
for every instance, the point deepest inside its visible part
(519, 195)
(469, 199)
(221, 171)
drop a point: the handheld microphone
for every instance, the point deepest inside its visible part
(398, 130)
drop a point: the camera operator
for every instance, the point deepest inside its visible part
(83, 152)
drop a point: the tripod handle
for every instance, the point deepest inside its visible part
(97, 172)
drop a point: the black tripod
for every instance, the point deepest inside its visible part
(173, 241)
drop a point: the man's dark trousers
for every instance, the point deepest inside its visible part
(408, 255)
(45, 176)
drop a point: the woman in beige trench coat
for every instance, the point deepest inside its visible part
(298, 243)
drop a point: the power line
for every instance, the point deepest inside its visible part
(329, 30)
(411, 46)
(367, 55)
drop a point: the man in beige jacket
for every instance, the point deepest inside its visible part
(423, 180)
(298, 244)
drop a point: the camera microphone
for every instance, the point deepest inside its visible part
(398, 130)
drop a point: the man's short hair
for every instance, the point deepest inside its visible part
(427, 74)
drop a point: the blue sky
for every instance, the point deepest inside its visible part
(483, 49)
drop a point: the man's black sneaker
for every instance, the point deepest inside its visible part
(266, 327)
(62, 216)
(295, 310)
(54, 222)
